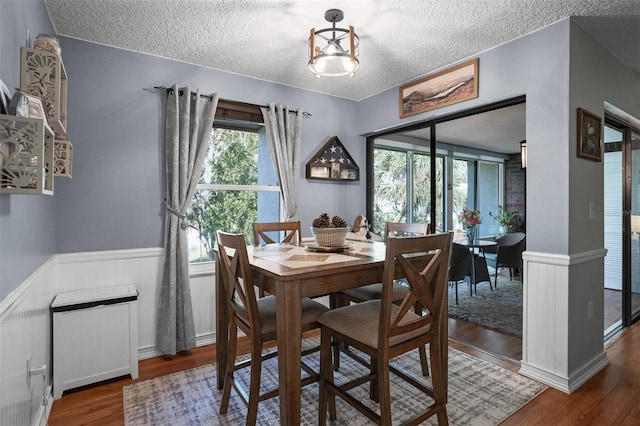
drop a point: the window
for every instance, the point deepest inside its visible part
(402, 186)
(477, 185)
(237, 186)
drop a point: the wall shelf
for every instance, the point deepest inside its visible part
(26, 156)
(62, 158)
(333, 162)
(42, 74)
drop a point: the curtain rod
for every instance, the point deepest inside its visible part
(180, 92)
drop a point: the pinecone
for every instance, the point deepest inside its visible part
(338, 222)
(322, 221)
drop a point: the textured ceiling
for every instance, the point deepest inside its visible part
(399, 40)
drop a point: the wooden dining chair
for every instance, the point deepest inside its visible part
(385, 329)
(267, 231)
(374, 291)
(256, 317)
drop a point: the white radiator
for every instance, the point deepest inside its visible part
(94, 336)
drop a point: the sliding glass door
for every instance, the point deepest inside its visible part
(621, 225)
(402, 187)
(631, 298)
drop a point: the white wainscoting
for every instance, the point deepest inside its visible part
(25, 333)
(142, 268)
(547, 302)
(25, 319)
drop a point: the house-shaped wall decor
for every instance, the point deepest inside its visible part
(333, 162)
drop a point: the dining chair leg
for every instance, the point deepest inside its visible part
(335, 301)
(373, 384)
(254, 383)
(325, 401)
(437, 380)
(384, 391)
(231, 359)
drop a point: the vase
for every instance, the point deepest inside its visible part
(471, 234)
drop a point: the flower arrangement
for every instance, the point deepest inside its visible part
(470, 218)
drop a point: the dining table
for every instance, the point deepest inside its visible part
(291, 272)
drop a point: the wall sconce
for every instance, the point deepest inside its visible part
(523, 154)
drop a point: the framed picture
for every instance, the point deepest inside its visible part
(19, 105)
(319, 172)
(335, 170)
(589, 135)
(5, 96)
(36, 109)
(349, 174)
(448, 87)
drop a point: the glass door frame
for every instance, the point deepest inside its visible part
(370, 140)
(626, 130)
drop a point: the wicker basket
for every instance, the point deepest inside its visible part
(329, 237)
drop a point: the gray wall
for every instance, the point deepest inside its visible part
(536, 66)
(114, 200)
(596, 77)
(27, 237)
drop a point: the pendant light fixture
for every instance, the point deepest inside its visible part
(333, 52)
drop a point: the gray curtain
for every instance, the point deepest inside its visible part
(283, 134)
(189, 120)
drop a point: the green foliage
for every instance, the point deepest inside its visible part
(232, 159)
(390, 188)
(508, 220)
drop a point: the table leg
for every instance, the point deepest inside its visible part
(222, 327)
(473, 272)
(289, 335)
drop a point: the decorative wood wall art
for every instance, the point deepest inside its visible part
(453, 85)
(26, 156)
(42, 74)
(333, 162)
(62, 159)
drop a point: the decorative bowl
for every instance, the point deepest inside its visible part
(330, 237)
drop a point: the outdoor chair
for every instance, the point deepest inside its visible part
(459, 266)
(508, 253)
(256, 317)
(374, 291)
(385, 329)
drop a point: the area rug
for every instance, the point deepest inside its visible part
(480, 393)
(500, 309)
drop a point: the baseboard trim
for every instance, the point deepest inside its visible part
(151, 351)
(42, 415)
(587, 371)
(566, 384)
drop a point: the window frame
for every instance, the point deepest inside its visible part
(233, 115)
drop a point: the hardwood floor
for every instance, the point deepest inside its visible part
(611, 397)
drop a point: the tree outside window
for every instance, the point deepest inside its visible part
(237, 187)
